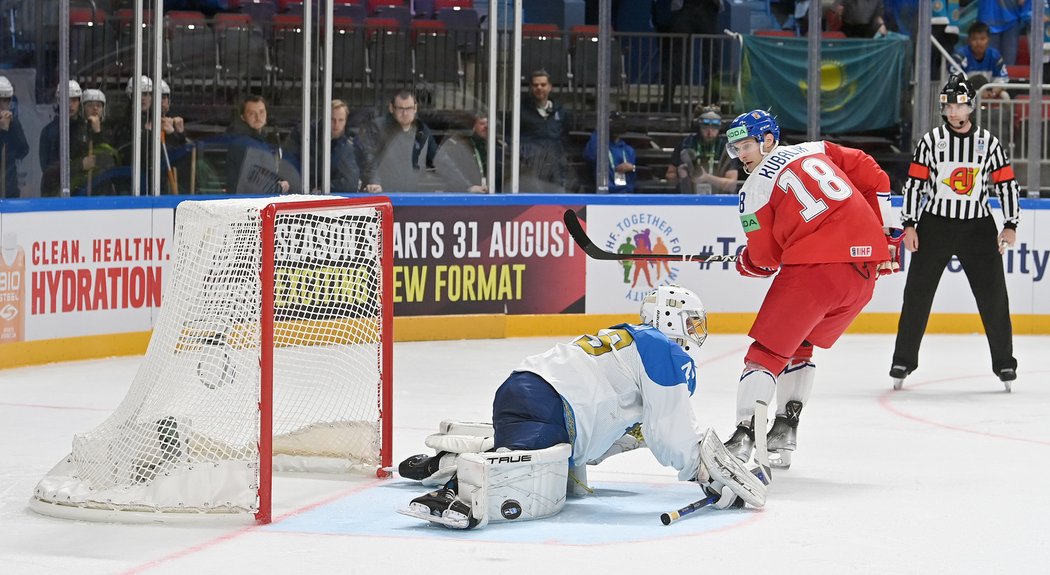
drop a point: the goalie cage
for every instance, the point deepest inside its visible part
(272, 351)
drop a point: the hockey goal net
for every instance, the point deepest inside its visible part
(272, 350)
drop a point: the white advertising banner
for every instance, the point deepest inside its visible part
(618, 287)
(77, 273)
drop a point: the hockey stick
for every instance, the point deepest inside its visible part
(671, 517)
(761, 451)
(575, 228)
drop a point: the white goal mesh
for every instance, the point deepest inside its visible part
(276, 315)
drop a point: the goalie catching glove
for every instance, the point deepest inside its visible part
(724, 475)
(747, 268)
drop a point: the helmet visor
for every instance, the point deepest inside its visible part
(746, 145)
(696, 327)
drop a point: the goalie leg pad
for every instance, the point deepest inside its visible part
(514, 485)
(729, 471)
(450, 427)
(439, 468)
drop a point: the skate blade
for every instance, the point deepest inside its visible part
(450, 520)
(780, 460)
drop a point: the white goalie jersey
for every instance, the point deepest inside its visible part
(622, 376)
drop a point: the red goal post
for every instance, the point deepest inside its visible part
(272, 351)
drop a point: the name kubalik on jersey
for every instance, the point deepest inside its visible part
(815, 202)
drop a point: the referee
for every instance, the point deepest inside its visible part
(954, 169)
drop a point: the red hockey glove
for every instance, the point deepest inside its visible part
(893, 242)
(747, 268)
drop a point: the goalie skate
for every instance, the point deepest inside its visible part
(441, 507)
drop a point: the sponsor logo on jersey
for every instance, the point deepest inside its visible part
(750, 223)
(961, 180)
(646, 233)
(860, 251)
(981, 145)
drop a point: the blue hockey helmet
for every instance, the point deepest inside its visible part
(754, 124)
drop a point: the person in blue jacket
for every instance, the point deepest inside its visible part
(622, 158)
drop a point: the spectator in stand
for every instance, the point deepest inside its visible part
(462, 160)
(253, 166)
(101, 155)
(861, 18)
(13, 144)
(174, 126)
(1006, 20)
(544, 133)
(345, 174)
(622, 159)
(396, 147)
(982, 63)
(790, 14)
(687, 17)
(50, 182)
(700, 162)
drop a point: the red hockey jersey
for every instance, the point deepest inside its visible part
(815, 202)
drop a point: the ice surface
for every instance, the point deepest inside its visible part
(946, 476)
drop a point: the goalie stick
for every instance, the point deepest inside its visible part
(672, 516)
(575, 228)
(761, 451)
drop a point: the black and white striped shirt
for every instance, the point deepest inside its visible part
(954, 172)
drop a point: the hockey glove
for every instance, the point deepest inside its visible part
(747, 268)
(893, 242)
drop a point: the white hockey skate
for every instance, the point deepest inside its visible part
(782, 438)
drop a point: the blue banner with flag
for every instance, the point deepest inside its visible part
(861, 81)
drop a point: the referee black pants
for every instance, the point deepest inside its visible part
(974, 242)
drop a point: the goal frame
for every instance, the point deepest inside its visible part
(269, 218)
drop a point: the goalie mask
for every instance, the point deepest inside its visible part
(679, 314)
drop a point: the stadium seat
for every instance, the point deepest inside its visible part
(261, 11)
(242, 48)
(454, 4)
(400, 13)
(436, 57)
(349, 55)
(288, 48)
(88, 44)
(543, 47)
(191, 47)
(585, 58)
(388, 46)
(463, 23)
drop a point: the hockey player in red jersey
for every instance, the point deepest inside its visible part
(816, 213)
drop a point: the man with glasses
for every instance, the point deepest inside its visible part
(396, 148)
(700, 163)
(814, 212)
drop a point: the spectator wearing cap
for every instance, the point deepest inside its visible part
(622, 159)
(79, 165)
(700, 163)
(13, 144)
